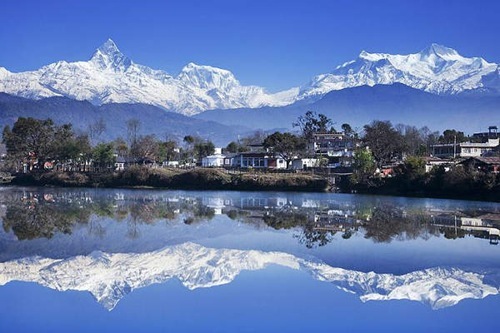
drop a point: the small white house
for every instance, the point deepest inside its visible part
(215, 161)
(304, 163)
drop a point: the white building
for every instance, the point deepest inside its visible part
(304, 163)
(213, 161)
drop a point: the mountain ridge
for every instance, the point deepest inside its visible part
(111, 77)
(82, 114)
(359, 106)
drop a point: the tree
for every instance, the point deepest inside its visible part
(348, 131)
(169, 149)
(452, 136)
(235, 147)
(121, 147)
(30, 140)
(146, 147)
(286, 145)
(189, 139)
(385, 142)
(96, 129)
(203, 148)
(133, 126)
(103, 155)
(417, 142)
(363, 166)
(312, 123)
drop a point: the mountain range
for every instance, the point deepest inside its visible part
(110, 276)
(437, 87)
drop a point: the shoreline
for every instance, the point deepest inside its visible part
(194, 179)
(220, 179)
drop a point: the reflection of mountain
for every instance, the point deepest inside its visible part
(111, 276)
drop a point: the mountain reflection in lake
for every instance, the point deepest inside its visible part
(111, 242)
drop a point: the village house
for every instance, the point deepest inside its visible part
(485, 164)
(484, 144)
(305, 163)
(338, 148)
(213, 161)
(262, 160)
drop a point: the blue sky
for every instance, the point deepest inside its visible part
(274, 44)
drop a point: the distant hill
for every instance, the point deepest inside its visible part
(81, 114)
(360, 105)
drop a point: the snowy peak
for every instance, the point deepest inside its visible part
(108, 56)
(207, 77)
(436, 69)
(440, 51)
(111, 77)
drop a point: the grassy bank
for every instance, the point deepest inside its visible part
(195, 179)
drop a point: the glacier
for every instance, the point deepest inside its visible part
(111, 276)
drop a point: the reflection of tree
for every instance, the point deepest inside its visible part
(199, 212)
(286, 219)
(388, 223)
(36, 221)
(309, 236)
(312, 238)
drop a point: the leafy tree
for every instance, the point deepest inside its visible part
(203, 149)
(347, 129)
(121, 147)
(452, 136)
(232, 147)
(363, 165)
(103, 155)
(235, 147)
(286, 145)
(384, 141)
(312, 123)
(29, 140)
(189, 139)
(169, 150)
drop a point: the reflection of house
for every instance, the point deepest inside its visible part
(333, 221)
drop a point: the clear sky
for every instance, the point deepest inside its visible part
(274, 44)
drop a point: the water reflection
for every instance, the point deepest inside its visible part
(109, 277)
(110, 242)
(31, 214)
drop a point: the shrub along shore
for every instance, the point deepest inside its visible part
(193, 179)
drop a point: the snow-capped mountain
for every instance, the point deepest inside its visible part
(110, 276)
(111, 77)
(436, 69)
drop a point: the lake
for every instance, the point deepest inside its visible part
(113, 260)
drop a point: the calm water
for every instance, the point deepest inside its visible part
(93, 260)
